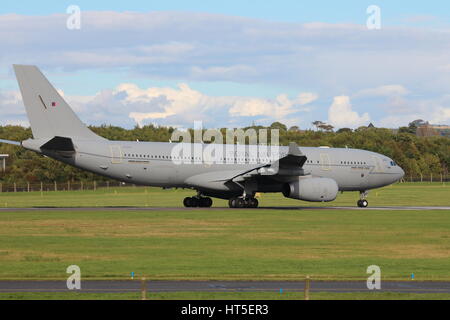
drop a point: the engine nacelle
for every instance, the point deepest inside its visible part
(312, 189)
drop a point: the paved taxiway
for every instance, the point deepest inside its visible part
(399, 208)
(224, 286)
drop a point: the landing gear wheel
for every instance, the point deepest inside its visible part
(194, 202)
(206, 202)
(243, 203)
(253, 203)
(187, 202)
(240, 203)
(363, 203)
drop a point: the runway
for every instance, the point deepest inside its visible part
(224, 286)
(397, 208)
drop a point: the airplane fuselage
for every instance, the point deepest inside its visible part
(153, 164)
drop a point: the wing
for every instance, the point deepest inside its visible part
(289, 165)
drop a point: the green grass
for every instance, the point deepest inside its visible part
(225, 296)
(251, 244)
(228, 244)
(406, 194)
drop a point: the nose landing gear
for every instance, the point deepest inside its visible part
(363, 203)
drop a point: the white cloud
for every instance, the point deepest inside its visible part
(436, 111)
(222, 73)
(12, 111)
(441, 116)
(445, 68)
(181, 106)
(341, 114)
(396, 121)
(202, 46)
(383, 91)
(251, 107)
(306, 98)
(329, 59)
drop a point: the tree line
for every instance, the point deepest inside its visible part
(416, 155)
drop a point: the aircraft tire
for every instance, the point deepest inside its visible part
(187, 202)
(363, 203)
(253, 203)
(240, 203)
(206, 202)
(195, 202)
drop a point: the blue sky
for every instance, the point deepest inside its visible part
(230, 63)
(281, 10)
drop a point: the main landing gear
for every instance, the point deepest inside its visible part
(363, 203)
(243, 202)
(197, 202)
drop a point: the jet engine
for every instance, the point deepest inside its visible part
(312, 189)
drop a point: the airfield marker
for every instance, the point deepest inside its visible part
(132, 275)
(412, 276)
(307, 286)
(143, 289)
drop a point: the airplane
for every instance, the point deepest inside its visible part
(304, 173)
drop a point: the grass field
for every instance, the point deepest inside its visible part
(247, 244)
(242, 244)
(406, 194)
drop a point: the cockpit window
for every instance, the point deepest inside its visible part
(393, 164)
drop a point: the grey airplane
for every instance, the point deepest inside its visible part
(302, 173)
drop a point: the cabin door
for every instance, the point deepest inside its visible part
(116, 154)
(325, 163)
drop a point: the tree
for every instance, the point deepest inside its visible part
(344, 130)
(416, 155)
(406, 130)
(279, 126)
(326, 127)
(418, 123)
(318, 123)
(414, 125)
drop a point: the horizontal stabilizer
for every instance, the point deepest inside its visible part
(59, 144)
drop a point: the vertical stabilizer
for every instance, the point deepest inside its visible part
(48, 113)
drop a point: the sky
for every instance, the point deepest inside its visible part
(233, 63)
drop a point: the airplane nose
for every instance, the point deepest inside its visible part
(401, 173)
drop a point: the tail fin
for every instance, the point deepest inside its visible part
(47, 111)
